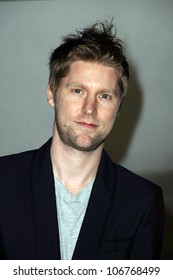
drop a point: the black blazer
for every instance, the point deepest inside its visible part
(124, 218)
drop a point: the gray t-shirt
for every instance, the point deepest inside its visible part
(70, 212)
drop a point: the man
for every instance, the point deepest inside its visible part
(67, 200)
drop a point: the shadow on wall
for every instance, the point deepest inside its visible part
(167, 250)
(119, 140)
(165, 181)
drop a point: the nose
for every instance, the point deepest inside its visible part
(89, 107)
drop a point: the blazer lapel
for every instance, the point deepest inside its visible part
(44, 206)
(97, 212)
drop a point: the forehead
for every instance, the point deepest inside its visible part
(92, 73)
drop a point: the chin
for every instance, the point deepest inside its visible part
(87, 147)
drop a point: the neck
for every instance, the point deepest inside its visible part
(74, 168)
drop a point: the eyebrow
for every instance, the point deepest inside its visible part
(102, 90)
(75, 84)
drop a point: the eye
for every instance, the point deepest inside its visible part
(76, 91)
(105, 96)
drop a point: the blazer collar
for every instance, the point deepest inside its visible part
(99, 205)
(44, 206)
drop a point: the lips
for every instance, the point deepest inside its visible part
(87, 125)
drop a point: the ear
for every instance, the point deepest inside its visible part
(50, 96)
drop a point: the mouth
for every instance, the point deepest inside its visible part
(87, 125)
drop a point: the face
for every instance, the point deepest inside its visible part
(86, 105)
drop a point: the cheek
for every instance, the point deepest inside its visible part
(66, 109)
(109, 118)
(109, 114)
(112, 121)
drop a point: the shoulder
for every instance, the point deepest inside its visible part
(16, 165)
(135, 185)
(18, 161)
(18, 157)
(126, 175)
(129, 186)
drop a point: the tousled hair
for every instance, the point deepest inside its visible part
(97, 43)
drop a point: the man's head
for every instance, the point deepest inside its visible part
(88, 81)
(98, 44)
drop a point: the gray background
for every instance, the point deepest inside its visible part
(143, 135)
